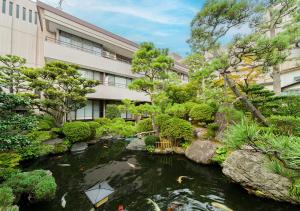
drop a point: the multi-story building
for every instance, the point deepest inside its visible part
(41, 33)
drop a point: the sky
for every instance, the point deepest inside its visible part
(166, 23)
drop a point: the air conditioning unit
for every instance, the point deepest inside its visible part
(297, 78)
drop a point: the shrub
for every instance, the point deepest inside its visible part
(6, 198)
(57, 131)
(177, 110)
(76, 131)
(177, 129)
(60, 147)
(103, 121)
(46, 123)
(9, 160)
(39, 183)
(151, 140)
(295, 188)
(93, 126)
(17, 141)
(231, 114)
(241, 133)
(285, 125)
(150, 148)
(35, 149)
(161, 119)
(40, 136)
(112, 111)
(144, 125)
(202, 113)
(189, 105)
(120, 127)
(211, 129)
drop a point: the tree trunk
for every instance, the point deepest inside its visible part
(254, 111)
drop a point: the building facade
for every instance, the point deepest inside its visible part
(41, 33)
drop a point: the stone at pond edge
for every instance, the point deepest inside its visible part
(79, 147)
(137, 144)
(200, 132)
(250, 169)
(201, 151)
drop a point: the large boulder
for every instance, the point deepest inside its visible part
(136, 144)
(249, 169)
(201, 151)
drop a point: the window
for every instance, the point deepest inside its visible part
(93, 110)
(3, 6)
(18, 11)
(118, 81)
(30, 16)
(35, 18)
(10, 11)
(91, 75)
(24, 14)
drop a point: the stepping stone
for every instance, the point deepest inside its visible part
(79, 147)
(53, 141)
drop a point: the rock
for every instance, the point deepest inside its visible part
(53, 141)
(200, 132)
(79, 147)
(92, 142)
(222, 123)
(249, 169)
(201, 151)
(137, 144)
(179, 150)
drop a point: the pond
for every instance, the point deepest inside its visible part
(154, 177)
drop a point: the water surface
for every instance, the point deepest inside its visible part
(154, 177)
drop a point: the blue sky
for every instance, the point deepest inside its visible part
(164, 22)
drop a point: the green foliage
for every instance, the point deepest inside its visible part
(220, 155)
(177, 129)
(34, 150)
(64, 89)
(181, 93)
(76, 131)
(189, 105)
(285, 125)
(177, 110)
(38, 183)
(14, 126)
(57, 131)
(39, 136)
(185, 145)
(231, 114)
(11, 73)
(161, 119)
(211, 129)
(46, 123)
(285, 106)
(61, 147)
(241, 133)
(295, 189)
(9, 159)
(151, 140)
(150, 148)
(120, 127)
(103, 121)
(203, 113)
(6, 198)
(277, 167)
(144, 125)
(112, 111)
(93, 127)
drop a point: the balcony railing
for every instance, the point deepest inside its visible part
(103, 53)
(119, 85)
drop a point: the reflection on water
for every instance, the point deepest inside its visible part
(153, 177)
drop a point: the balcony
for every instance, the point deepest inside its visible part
(55, 49)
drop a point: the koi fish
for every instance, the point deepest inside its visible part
(180, 178)
(63, 200)
(64, 164)
(220, 206)
(155, 205)
(131, 165)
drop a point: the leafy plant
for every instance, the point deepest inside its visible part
(211, 129)
(185, 145)
(177, 110)
(39, 136)
(112, 111)
(177, 129)
(9, 159)
(151, 140)
(103, 121)
(202, 113)
(144, 125)
(76, 131)
(161, 119)
(120, 127)
(46, 122)
(6, 198)
(93, 127)
(150, 148)
(285, 125)
(220, 155)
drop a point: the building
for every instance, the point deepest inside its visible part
(41, 33)
(289, 70)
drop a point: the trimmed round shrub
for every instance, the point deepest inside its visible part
(76, 131)
(202, 113)
(189, 105)
(103, 121)
(151, 140)
(177, 129)
(93, 126)
(178, 110)
(144, 125)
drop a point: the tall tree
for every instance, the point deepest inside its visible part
(153, 64)
(216, 18)
(63, 89)
(11, 73)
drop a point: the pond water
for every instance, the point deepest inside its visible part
(154, 177)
